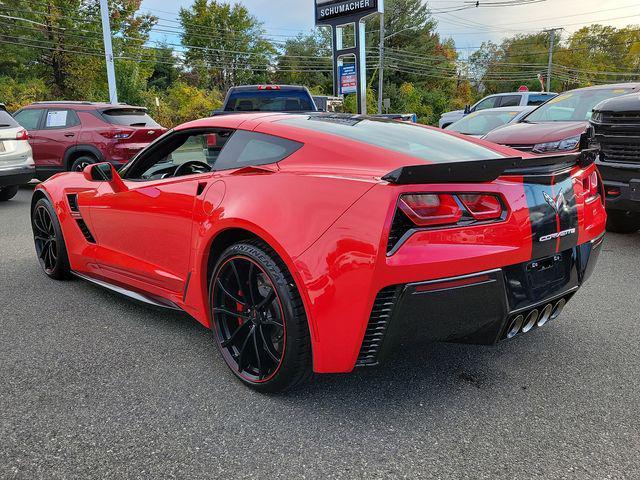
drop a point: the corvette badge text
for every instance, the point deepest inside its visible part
(553, 236)
(346, 7)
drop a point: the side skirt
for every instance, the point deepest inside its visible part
(140, 297)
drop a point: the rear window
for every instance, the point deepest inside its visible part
(131, 117)
(6, 120)
(406, 138)
(269, 101)
(539, 98)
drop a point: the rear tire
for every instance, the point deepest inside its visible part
(49, 242)
(80, 163)
(256, 309)
(7, 193)
(620, 221)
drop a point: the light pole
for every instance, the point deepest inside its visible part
(381, 67)
(381, 60)
(552, 38)
(108, 51)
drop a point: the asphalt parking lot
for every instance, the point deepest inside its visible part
(95, 386)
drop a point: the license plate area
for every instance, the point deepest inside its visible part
(549, 271)
(539, 279)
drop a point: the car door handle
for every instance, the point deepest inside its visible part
(69, 134)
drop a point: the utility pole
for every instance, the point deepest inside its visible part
(552, 38)
(381, 66)
(108, 51)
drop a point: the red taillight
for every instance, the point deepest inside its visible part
(117, 134)
(482, 206)
(428, 210)
(269, 87)
(22, 135)
(591, 185)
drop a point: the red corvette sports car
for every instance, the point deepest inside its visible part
(317, 242)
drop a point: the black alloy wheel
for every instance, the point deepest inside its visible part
(47, 234)
(7, 193)
(82, 162)
(254, 307)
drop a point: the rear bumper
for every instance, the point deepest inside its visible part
(17, 175)
(476, 308)
(625, 178)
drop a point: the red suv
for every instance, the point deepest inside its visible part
(71, 135)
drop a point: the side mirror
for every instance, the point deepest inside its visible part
(467, 109)
(104, 172)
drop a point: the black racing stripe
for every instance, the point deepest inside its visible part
(568, 215)
(543, 217)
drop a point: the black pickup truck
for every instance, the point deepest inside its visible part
(617, 131)
(267, 98)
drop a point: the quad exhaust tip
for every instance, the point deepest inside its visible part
(525, 322)
(557, 309)
(531, 320)
(545, 316)
(515, 326)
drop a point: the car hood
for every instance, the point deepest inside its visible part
(532, 133)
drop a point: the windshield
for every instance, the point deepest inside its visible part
(269, 101)
(574, 106)
(407, 138)
(481, 123)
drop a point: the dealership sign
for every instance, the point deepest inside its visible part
(348, 79)
(333, 9)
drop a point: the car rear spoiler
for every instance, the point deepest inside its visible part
(478, 171)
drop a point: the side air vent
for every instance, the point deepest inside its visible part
(85, 230)
(377, 327)
(72, 198)
(401, 225)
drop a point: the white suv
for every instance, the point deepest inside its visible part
(495, 101)
(16, 159)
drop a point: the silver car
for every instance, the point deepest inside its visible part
(16, 159)
(478, 124)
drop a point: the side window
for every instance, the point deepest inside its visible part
(61, 119)
(509, 101)
(179, 149)
(29, 118)
(488, 102)
(246, 148)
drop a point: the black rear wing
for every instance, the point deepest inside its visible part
(479, 171)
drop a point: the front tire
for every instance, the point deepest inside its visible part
(49, 242)
(258, 319)
(7, 193)
(620, 221)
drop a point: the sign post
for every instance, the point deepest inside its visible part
(338, 14)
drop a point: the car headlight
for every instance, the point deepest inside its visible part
(560, 146)
(596, 117)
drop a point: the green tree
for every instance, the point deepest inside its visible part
(61, 41)
(306, 60)
(225, 44)
(165, 70)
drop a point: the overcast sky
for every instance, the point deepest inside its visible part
(469, 28)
